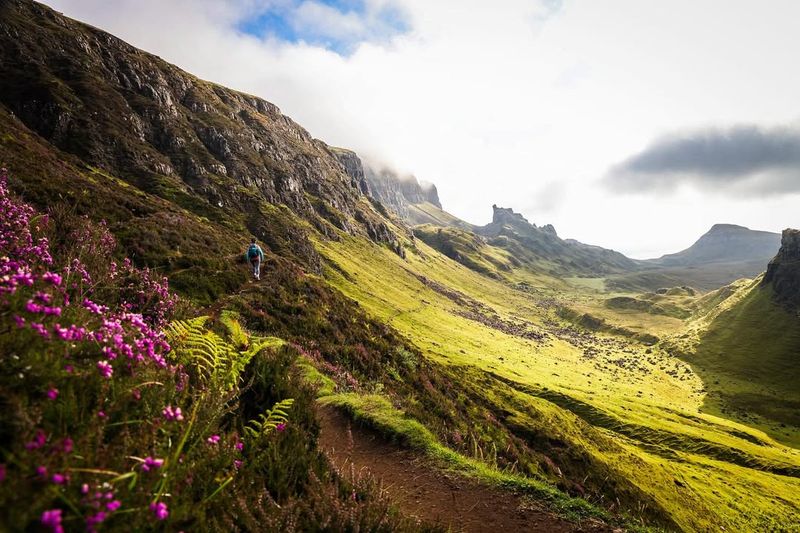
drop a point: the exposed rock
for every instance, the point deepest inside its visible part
(783, 272)
(398, 192)
(139, 118)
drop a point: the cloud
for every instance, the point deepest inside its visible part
(740, 159)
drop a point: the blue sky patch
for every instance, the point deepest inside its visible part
(338, 25)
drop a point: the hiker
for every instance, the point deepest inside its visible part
(254, 256)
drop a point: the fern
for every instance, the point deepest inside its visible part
(215, 361)
(235, 332)
(270, 419)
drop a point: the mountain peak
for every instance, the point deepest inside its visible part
(506, 215)
(719, 228)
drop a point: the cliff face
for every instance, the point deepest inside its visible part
(398, 192)
(137, 117)
(530, 243)
(783, 272)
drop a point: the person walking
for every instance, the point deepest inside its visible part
(255, 255)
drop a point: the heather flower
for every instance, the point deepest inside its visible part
(95, 520)
(237, 464)
(101, 414)
(39, 440)
(66, 445)
(52, 393)
(59, 479)
(239, 445)
(281, 426)
(105, 368)
(85, 488)
(52, 278)
(172, 414)
(151, 463)
(213, 439)
(52, 519)
(113, 505)
(160, 510)
(41, 471)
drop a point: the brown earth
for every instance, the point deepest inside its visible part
(421, 490)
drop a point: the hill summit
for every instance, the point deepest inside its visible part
(725, 243)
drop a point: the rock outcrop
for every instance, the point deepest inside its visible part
(397, 191)
(532, 244)
(783, 272)
(139, 118)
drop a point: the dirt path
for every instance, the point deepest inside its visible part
(420, 490)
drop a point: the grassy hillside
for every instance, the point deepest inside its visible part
(626, 420)
(748, 357)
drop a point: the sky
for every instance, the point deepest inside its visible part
(630, 124)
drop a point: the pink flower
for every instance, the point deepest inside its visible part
(113, 505)
(171, 413)
(85, 488)
(137, 394)
(52, 393)
(52, 519)
(239, 445)
(2, 472)
(160, 510)
(68, 369)
(105, 368)
(101, 414)
(281, 426)
(95, 520)
(59, 479)
(38, 441)
(66, 445)
(52, 278)
(237, 464)
(213, 439)
(151, 463)
(41, 471)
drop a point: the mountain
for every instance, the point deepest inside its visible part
(727, 243)
(413, 201)
(212, 150)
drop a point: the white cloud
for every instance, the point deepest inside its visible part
(492, 101)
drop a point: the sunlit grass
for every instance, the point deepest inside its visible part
(637, 412)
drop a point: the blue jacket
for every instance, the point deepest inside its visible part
(256, 251)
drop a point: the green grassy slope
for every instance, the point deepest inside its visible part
(749, 358)
(629, 418)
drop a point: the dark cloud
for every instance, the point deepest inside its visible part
(741, 159)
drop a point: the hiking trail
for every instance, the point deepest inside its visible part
(421, 490)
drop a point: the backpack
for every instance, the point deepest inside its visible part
(252, 252)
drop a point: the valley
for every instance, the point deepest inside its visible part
(658, 395)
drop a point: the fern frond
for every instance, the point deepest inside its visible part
(269, 420)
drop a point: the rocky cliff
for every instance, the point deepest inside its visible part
(529, 243)
(134, 116)
(783, 272)
(397, 191)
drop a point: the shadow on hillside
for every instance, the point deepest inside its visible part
(748, 362)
